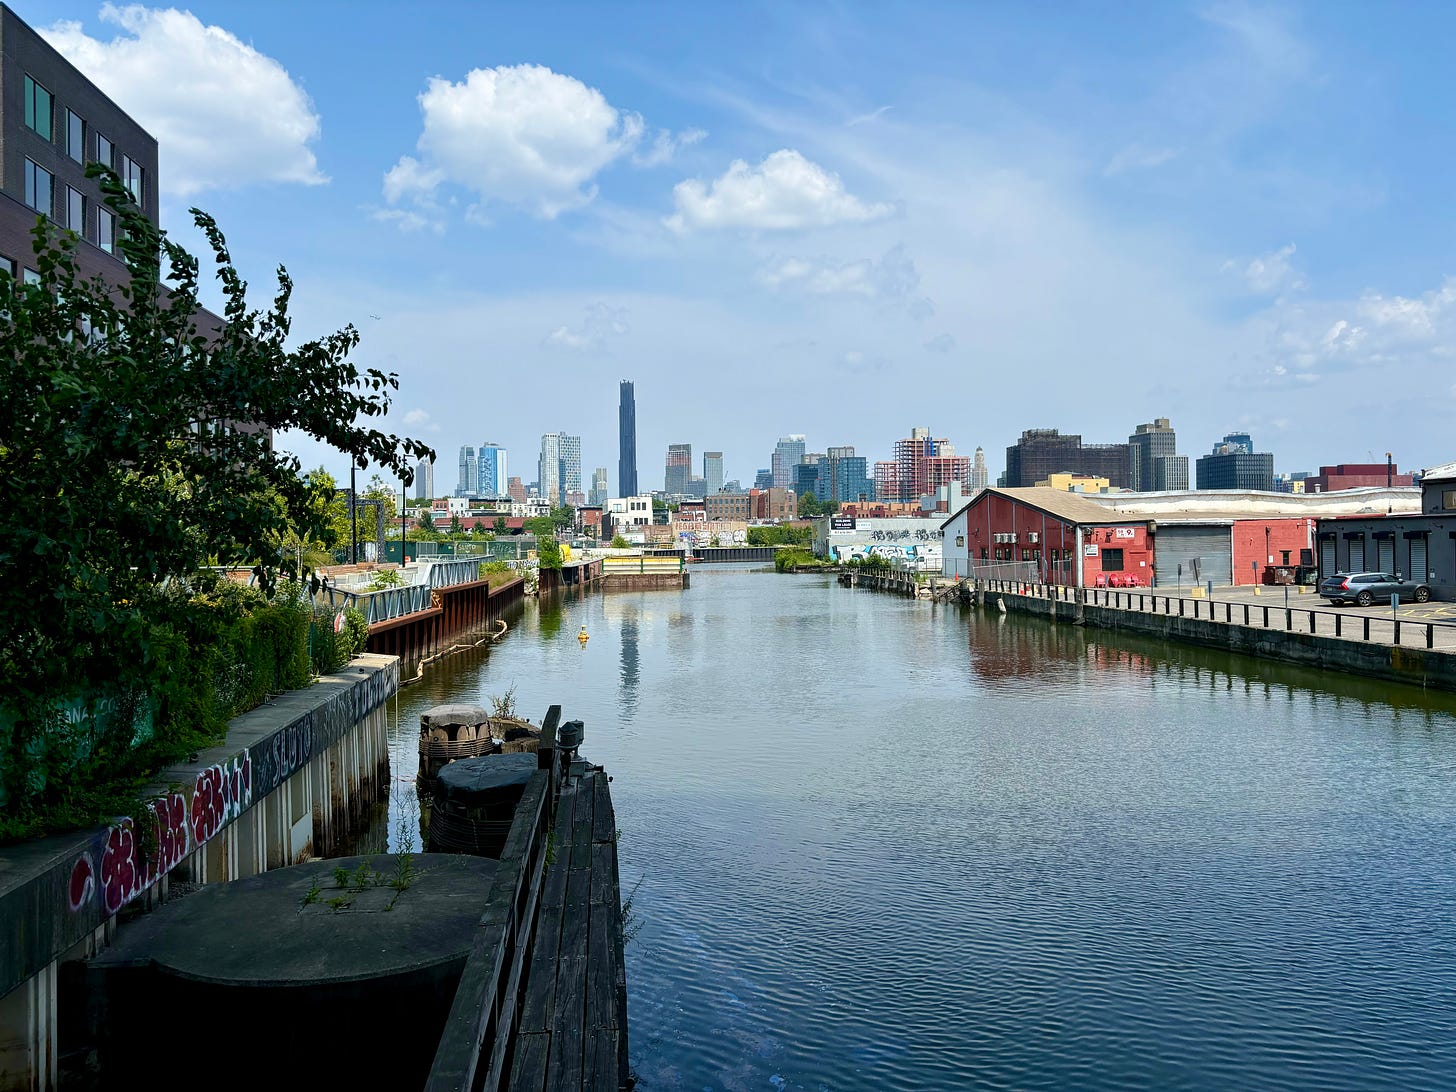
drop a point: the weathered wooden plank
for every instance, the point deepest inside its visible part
(604, 822)
(568, 1021)
(459, 1049)
(601, 977)
(603, 880)
(599, 1073)
(528, 1071)
(620, 943)
(541, 984)
(581, 835)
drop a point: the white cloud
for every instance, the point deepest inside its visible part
(601, 323)
(521, 135)
(666, 145)
(224, 115)
(941, 343)
(784, 192)
(410, 219)
(1138, 157)
(893, 278)
(1271, 273)
(417, 417)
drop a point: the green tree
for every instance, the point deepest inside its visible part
(426, 521)
(540, 526)
(620, 543)
(811, 506)
(563, 517)
(383, 492)
(548, 553)
(456, 527)
(500, 525)
(125, 471)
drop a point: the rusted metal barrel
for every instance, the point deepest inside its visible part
(475, 802)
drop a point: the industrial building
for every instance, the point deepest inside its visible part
(1419, 544)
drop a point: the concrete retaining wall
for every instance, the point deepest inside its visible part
(620, 581)
(1422, 667)
(293, 779)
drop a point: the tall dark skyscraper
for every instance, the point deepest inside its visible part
(627, 442)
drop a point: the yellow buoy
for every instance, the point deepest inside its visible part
(582, 636)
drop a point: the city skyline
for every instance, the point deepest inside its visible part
(1225, 260)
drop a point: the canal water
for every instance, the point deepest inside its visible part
(875, 844)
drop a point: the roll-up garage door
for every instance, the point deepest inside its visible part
(1385, 549)
(1327, 558)
(1211, 546)
(1418, 570)
(1357, 555)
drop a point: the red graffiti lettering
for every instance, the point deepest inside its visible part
(83, 882)
(221, 793)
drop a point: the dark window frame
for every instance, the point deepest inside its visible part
(76, 150)
(33, 89)
(33, 171)
(1113, 559)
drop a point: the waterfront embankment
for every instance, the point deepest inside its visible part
(1419, 652)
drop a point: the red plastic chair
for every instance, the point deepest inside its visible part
(1101, 580)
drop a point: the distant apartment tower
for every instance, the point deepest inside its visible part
(980, 476)
(627, 441)
(679, 471)
(712, 472)
(425, 479)
(558, 469)
(848, 477)
(570, 481)
(516, 489)
(788, 453)
(490, 470)
(598, 495)
(1153, 461)
(469, 483)
(1234, 464)
(922, 465)
(763, 478)
(1042, 452)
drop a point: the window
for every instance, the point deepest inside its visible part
(7, 265)
(38, 108)
(38, 184)
(75, 211)
(1448, 499)
(31, 277)
(131, 177)
(106, 230)
(1286, 557)
(75, 136)
(105, 153)
(1112, 560)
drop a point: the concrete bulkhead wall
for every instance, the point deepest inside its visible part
(292, 779)
(1422, 667)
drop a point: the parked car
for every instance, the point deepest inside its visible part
(1367, 588)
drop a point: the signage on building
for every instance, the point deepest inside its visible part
(1124, 532)
(1089, 550)
(841, 523)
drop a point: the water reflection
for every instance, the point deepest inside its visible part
(884, 845)
(630, 657)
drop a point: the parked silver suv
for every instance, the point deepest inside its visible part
(1367, 588)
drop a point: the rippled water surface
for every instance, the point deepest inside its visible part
(880, 845)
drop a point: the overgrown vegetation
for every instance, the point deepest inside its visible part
(791, 559)
(620, 543)
(548, 553)
(504, 705)
(811, 506)
(497, 572)
(126, 476)
(782, 534)
(871, 562)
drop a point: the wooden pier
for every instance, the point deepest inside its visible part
(542, 1000)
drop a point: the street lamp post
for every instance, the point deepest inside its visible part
(353, 515)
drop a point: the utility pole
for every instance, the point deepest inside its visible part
(1389, 471)
(353, 516)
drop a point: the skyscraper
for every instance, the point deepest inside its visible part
(1155, 463)
(980, 476)
(570, 463)
(1234, 464)
(922, 465)
(425, 480)
(712, 472)
(763, 479)
(548, 468)
(678, 478)
(490, 470)
(598, 495)
(1042, 452)
(468, 471)
(788, 453)
(627, 441)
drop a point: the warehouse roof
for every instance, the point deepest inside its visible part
(1057, 503)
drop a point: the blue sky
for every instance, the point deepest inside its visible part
(844, 220)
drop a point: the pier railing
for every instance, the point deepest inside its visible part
(379, 606)
(1392, 630)
(476, 1042)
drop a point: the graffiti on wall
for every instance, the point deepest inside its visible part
(221, 794)
(279, 758)
(125, 870)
